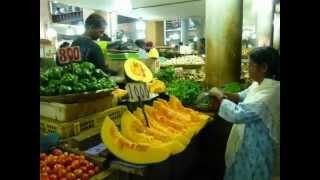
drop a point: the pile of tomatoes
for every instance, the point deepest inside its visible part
(65, 166)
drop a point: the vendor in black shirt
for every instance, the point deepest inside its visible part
(90, 51)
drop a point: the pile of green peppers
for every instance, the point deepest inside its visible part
(73, 78)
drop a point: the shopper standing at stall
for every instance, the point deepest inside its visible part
(90, 51)
(142, 52)
(254, 142)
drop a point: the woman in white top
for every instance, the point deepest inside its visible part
(253, 148)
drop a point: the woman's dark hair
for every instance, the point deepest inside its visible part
(140, 43)
(95, 21)
(268, 56)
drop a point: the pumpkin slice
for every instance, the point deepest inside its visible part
(137, 70)
(163, 129)
(133, 129)
(138, 153)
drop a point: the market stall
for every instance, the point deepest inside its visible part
(151, 119)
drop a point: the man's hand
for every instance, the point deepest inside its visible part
(217, 93)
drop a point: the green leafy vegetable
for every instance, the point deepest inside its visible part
(233, 87)
(186, 90)
(167, 75)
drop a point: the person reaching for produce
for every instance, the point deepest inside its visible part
(253, 148)
(90, 51)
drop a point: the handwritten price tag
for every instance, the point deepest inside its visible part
(136, 91)
(67, 55)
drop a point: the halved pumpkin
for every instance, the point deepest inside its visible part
(137, 70)
(138, 153)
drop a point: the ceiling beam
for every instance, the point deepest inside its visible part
(165, 4)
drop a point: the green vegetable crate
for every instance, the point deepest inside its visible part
(116, 61)
(73, 128)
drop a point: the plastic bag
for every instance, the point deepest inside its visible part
(204, 101)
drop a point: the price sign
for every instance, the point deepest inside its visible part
(69, 54)
(136, 91)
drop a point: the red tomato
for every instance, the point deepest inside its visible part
(84, 168)
(45, 169)
(68, 161)
(62, 173)
(44, 176)
(82, 157)
(75, 164)
(69, 168)
(43, 156)
(97, 169)
(82, 162)
(62, 159)
(71, 176)
(78, 172)
(57, 152)
(57, 167)
(53, 176)
(72, 155)
(91, 172)
(63, 178)
(42, 164)
(90, 165)
(85, 176)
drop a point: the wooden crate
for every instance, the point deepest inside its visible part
(72, 128)
(69, 112)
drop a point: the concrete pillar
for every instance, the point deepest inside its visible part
(223, 30)
(155, 32)
(264, 10)
(184, 30)
(45, 19)
(159, 33)
(276, 28)
(113, 24)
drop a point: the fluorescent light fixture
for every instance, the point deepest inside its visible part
(123, 6)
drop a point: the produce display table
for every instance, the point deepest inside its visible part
(175, 168)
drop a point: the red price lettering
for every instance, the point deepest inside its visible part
(70, 53)
(63, 58)
(76, 54)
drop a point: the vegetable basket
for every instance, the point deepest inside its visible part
(73, 128)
